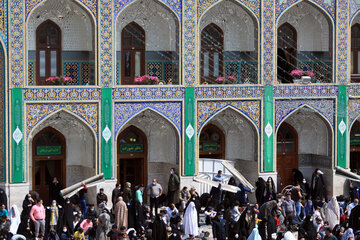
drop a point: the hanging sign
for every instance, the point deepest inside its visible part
(210, 146)
(48, 150)
(355, 141)
(131, 148)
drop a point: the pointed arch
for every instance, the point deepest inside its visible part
(43, 161)
(120, 128)
(90, 69)
(241, 4)
(78, 2)
(320, 114)
(315, 4)
(67, 112)
(159, 1)
(243, 114)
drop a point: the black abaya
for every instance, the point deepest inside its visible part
(159, 229)
(259, 192)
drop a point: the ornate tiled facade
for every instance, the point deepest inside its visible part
(35, 112)
(171, 101)
(208, 109)
(284, 108)
(123, 112)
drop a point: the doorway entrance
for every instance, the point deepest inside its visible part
(49, 160)
(212, 142)
(287, 153)
(132, 157)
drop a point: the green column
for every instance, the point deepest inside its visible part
(268, 129)
(106, 133)
(189, 163)
(17, 135)
(342, 126)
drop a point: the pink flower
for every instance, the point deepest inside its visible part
(309, 73)
(67, 79)
(220, 79)
(231, 77)
(296, 73)
(50, 79)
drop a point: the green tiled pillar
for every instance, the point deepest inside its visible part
(106, 133)
(268, 129)
(189, 163)
(342, 126)
(17, 135)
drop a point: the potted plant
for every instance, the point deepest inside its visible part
(302, 76)
(226, 80)
(61, 80)
(146, 80)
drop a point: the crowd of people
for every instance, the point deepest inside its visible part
(301, 208)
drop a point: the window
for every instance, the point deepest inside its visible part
(48, 51)
(212, 56)
(133, 53)
(287, 52)
(355, 53)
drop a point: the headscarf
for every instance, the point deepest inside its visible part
(191, 220)
(332, 212)
(254, 234)
(349, 233)
(289, 236)
(15, 220)
(235, 213)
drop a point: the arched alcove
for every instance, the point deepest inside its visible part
(161, 42)
(240, 144)
(80, 145)
(313, 145)
(313, 49)
(162, 144)
(77, 47)
(238, 55)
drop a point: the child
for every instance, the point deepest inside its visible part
(54, 215)
(79, 234)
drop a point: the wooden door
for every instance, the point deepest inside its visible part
(132, 53)
(48, 52)
(212, 142)
(287, 153)
(45, 171)
(49, 160)
(131, 170)
(132, 157)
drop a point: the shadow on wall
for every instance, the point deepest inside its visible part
(249, 169)
(161, 171)
(309, 162)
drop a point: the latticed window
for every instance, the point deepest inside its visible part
(48, 51)
(212, 57)
(133, 53)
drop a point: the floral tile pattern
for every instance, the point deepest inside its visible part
(123, 112)
(207, 109)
